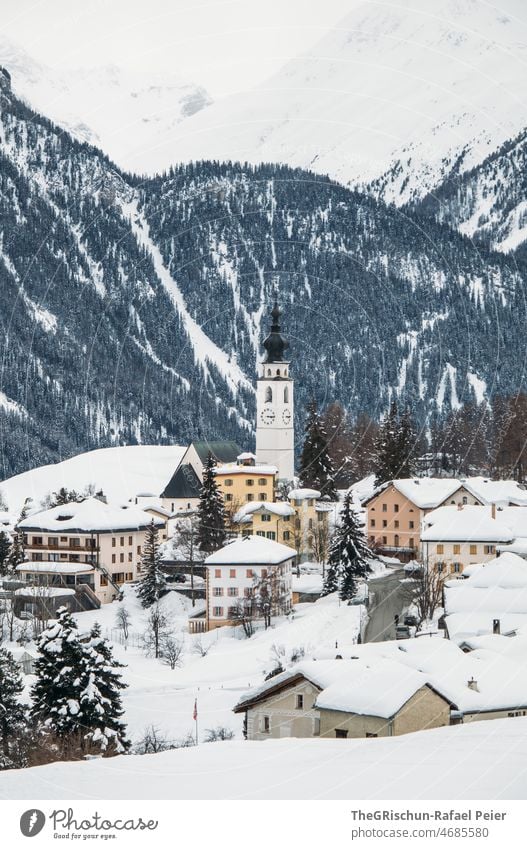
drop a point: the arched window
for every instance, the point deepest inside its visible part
(278, 372)
(268, 394)
(268, 372)
(286, 395)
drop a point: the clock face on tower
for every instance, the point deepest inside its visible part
(286, 416)
(267, 415)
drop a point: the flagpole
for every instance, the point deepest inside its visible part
(196, 718)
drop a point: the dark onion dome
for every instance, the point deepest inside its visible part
(275, 344)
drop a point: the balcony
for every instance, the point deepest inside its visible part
(64, 546)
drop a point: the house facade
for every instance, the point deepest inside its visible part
(457, 537)
(88, 543)
(244, 577)
(245, 482)
(396, 510)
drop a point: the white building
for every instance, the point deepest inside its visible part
(242, 573)
(456, 537)
(275, 439)
(90, 547)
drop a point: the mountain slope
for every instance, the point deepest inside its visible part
(397, 93)
(133, 311)
(121, 112)
(488, 203)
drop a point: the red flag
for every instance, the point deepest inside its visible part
(195, 714)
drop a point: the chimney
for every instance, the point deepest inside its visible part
(473, 685)
(493, 510)
(496, 626)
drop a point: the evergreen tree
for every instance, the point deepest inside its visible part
(16, 553)
(101, 697)
(153, 583)
(348, 554)
(340, 444)
(316, 468)
(64, 496)
(394, 455)
(5, 548)
(12, 712)
(211, 511)
(56, 694)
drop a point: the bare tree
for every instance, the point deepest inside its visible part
(199, 647)
(172, 651)
(157, 631)
(244, 614)
(153, 741)
(122, 620)
(212, 735)
(319, 543)
(271, 596)
(187, 530)
(426, 593)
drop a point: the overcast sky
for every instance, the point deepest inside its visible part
(222, 44)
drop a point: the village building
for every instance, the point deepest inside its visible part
(271, 519)
(182, 491)
(457, 537)
(244, 482)
(343, 699)
(247, 577)
(88, 549)
(492, 600)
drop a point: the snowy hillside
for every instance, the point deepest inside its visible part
(489, 759)
(397, 91)
(121, 473)
(122, 112)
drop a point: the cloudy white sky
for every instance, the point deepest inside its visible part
(224, 45)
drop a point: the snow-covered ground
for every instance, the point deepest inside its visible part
(483, 760)
(121, 472)
(160, 696)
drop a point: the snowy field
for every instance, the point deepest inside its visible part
(483, 760)
(160, 696)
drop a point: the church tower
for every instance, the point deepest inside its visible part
(275, 436)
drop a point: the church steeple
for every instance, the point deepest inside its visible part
(275, 344)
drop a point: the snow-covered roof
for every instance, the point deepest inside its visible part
(364, 488)
(55, 568)
(44, 592)
(496, 492)
(302, 494)
(425, 493)
(310, 583)
(251, 550)
(277, 508)
(120, 472)
(246, 455)
(466, 524)
(235, 469)
(89, 516)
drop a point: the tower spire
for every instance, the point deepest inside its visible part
(275, 344)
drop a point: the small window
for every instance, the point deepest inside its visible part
(217, 573)
(270, 534)
(287, 535)
(268, 394)
(341, 733)
(249, 573)
(385, 523)
(113, 558)
(232, 592)
(249, 497)
(440, 567)
(130, 555)
(228, 496)
(104, 581)
(217, 591)
(316, 729)
(217, 611)
(121, 558)
(266, 517)
(262, 481)
(457, 549)
(396, 508)
(130, 541)
(139, 549)
(371, 734)
(411, 542)
(266, 725)
(489, 549)
(440, 548)
(262, 496)
(232, 573)
(249, 482)
(465, 499)
(121, 540)
(264, 573)
(37, 541)
(457, 567)
(411, 524)
(372, 523)
(384, 508)
(385, 540)
(299, 701)
(228, 482)
(396, 540)
(286, 392)
(473, 549)
(129, 576)
(396, 523)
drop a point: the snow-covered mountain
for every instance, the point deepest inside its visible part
(396, 93)
(121, 112)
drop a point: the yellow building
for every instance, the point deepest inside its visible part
(271, 519)
(245, 481)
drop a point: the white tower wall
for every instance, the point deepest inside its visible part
(275, 437)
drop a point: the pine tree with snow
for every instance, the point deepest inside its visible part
(16, 553)
(5, 549)
(348, 553)
(103, 729)
(395, 447)
(153, 582)
(56, 694)
(316, 468)
(211, 511)
(12, 711)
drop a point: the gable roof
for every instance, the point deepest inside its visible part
(184, 483)
(425, 493)
(251, 550)
(470, 524)
(89, 516)
(223, 452)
